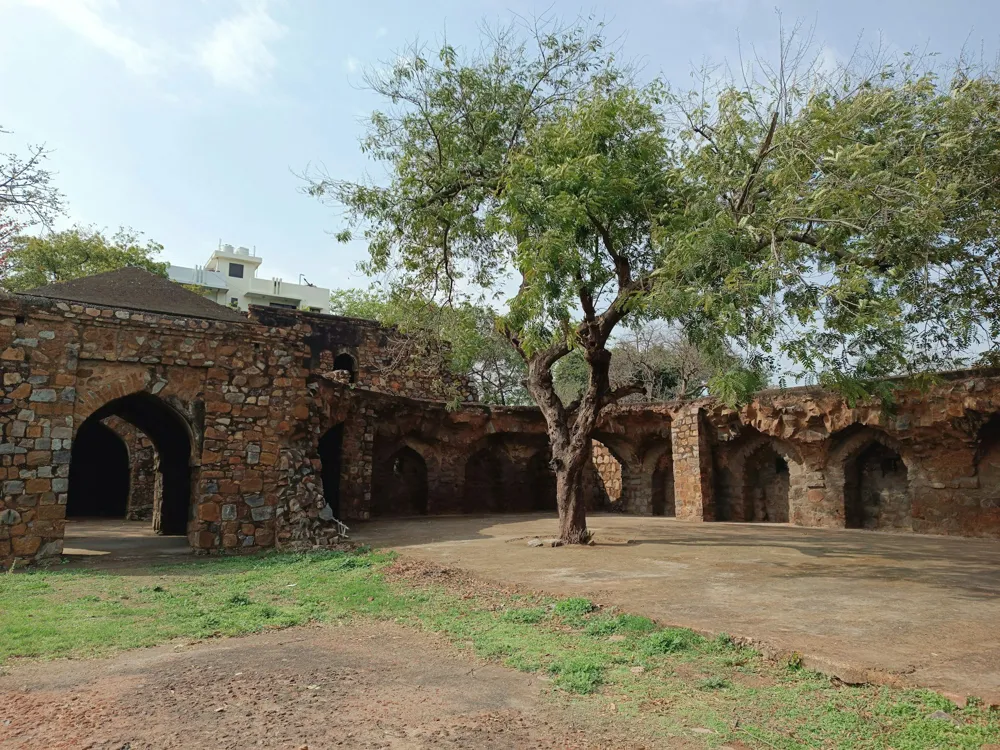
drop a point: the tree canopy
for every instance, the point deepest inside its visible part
(73, 253)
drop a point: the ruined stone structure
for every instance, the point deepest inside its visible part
(247, 432)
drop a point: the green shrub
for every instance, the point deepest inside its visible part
(578, 674)
(669, 641)
(620, 624)
(574, 608)
(713, 683)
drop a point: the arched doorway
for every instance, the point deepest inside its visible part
(876, 489)
(484, 482)
(988, 460)
(171, 439)
(663, 486)
(766, 485)
(542, 480)
(331, 451)
(98, 473)
(399, 487)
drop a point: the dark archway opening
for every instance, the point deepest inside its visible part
(331, 455)
(399, 487)
(484, 482)
(876, 490)
(98, 473)
(542, 482)
(345, 361)
(988, 457)
(170, 437)
(767, 482)
(663, 486)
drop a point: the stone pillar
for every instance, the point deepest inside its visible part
(142, 469)
(692, 453)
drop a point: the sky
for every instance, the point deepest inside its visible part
(191, 120)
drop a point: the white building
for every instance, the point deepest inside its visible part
(230, 278)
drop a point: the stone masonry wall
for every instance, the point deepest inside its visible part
(235, 413)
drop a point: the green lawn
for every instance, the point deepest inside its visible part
(671, 680)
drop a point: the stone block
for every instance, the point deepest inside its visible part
(24, 546)
(264, 513)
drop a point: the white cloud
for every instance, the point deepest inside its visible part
(87, 19)
(352, 65)
(236, 53)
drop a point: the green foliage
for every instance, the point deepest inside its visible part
(714, 683)
(571, 375)
(526, 616)
(578, 674)
(669, 641)
(572, 610)
(845, 222)
(621, 623)
(74, 253)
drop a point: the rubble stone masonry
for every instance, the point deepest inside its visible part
(262, 434)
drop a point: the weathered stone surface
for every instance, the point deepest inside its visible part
(283, 424)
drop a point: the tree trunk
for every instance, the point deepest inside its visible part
(570, 496)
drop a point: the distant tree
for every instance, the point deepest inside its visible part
(475, 347)
(662, 361)
(656, 357)
(27, 195)
(846, 221)
(73, 253)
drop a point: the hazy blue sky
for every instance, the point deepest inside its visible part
(186, 118)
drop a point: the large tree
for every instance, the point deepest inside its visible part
(540, 165)
(73, 253)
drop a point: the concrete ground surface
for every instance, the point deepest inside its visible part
(361, 686)
(898, 608)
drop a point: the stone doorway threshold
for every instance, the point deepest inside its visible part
(97, 541)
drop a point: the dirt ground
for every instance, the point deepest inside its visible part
(898, 608)
(357, 686)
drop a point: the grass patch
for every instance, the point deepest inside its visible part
(670, 641)
(666, 680)
(619, 625)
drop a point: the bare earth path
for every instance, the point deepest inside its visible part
(358, 686)
(920, 609)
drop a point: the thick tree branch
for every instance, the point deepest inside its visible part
(762, 153)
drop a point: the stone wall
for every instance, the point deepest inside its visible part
(259, 439)
(382, 358)
(605, 480)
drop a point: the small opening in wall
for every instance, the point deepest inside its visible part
(19, 320)
(345, 361)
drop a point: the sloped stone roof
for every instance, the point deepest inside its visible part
(138, 289)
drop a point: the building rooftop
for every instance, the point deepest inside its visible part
(200, 276)
(138, 289)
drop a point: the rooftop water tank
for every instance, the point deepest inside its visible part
(243, 251)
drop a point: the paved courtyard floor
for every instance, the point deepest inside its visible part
(920, 610)
(104, 541)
